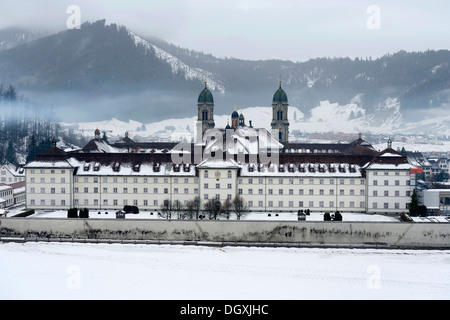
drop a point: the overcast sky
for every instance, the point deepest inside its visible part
(259, 29)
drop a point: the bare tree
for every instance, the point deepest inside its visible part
(239, 206)
(213, 206)
(226, 208)
(178, 207)
(167, 208)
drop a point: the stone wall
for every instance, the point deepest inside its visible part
(354, 234)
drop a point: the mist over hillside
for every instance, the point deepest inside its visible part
(103, 71)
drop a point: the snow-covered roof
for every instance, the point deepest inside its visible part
(302, 170)
(389, 166)
(129, 169)
(48, 164)
(218, 163)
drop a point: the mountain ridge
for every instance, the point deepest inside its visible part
(107, 70)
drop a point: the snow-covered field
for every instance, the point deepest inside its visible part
(126, 271)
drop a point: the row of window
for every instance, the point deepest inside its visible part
(6, 193)
(44, 171)
(386, 182)
(116, 180)
(301, 192)
(386, 173)
(386, 193)
(195, 180)
(300, 181)
(116, 190)
(386, 206)
(251, 204)
(331, 192)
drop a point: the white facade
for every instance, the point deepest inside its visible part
(10, 174)
(6, 196)
(376, 188)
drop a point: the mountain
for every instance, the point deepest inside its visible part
(103, 71)
(13, 36)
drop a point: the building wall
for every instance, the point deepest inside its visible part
(7, 176)
(58, 189)
(6, 193)
(294, 193)
(388, 190)
(49, 188)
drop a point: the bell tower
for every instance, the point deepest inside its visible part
(205, 107)
(280, 115)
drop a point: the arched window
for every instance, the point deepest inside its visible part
(279, 115)
(204, 115)
(280, 136)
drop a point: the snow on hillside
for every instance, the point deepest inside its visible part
(179, 66)
(326, 117)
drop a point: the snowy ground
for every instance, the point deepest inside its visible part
(126, 271)
(255, 216)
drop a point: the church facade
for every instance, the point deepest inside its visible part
(266, 170)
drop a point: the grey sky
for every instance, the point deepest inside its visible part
(259, 29)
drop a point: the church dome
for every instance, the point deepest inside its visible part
(235, 115)
(205, 96)
(280, 96)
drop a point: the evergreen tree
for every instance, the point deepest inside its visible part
(414, 204)
(10, 155)
(31, 149)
